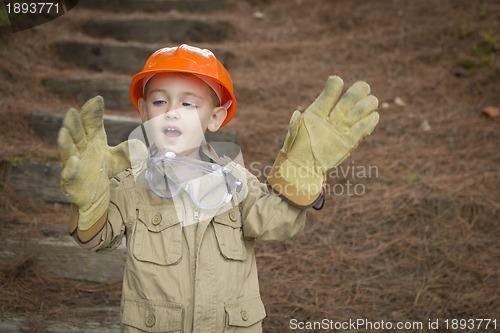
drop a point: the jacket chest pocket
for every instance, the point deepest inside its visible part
(158, 237)
(229, 235)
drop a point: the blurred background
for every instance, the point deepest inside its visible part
(410, 228)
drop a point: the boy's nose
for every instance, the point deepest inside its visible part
(172, 113)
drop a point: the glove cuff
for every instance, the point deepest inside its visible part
(288, 188)
(86, 225)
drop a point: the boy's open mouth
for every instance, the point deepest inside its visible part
(172, 132)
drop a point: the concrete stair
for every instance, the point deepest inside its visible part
(107, 63)
(154, 5)
(59, 255)
(154, 30)
(122, 45)
(17, 324)
(99, 57)
(114, 91)
(113, 57)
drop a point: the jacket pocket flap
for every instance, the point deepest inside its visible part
(156, 220)
(152, 316)
(245, 313)
(231, 218)
(229, 235)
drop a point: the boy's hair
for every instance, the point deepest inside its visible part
(188, 59)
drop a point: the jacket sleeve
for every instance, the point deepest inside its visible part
(266, 216)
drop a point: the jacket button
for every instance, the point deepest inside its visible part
(233, 216)
(244, 315)
(150, 321)
(156, 219)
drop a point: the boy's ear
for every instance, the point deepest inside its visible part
(218, 115)
(141, 103)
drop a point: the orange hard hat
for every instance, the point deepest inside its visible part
(187, 59)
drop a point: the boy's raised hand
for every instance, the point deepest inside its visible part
(321, 138)
(88, 166)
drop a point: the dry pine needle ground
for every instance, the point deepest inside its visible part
(421, 242)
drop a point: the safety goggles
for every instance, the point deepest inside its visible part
(209, 185)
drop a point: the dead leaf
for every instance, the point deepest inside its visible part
(425, 126)
(259, 15)
(491, 111)
(399, 101)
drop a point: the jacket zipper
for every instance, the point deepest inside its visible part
(196, 214)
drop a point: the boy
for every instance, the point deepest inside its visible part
(190, 263)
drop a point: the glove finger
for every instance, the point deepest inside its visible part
(363, 128)
(341, 144)
(293, 129)
(120, 159)
(71, 169)
(329, 146)
(74, 126)
(67, 148)
(360, 110)
(324, 103)
(91, 115)
(353, 95)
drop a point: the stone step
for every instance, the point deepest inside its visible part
(62, 257)
(153, 5)
(46, 127)
(114, 91)
(158, 30)
(10, 323)
(121, 58)
(40, 181)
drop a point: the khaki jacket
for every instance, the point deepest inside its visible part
(182, 276)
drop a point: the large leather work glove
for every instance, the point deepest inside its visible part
(88, 166)
(321, 138)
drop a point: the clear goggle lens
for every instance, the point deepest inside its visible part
(209, 185)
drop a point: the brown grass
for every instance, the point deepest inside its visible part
(420, 243)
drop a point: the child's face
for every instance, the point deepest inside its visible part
(179, 109)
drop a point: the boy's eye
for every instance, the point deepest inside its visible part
(188, 105)
(159, 102)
